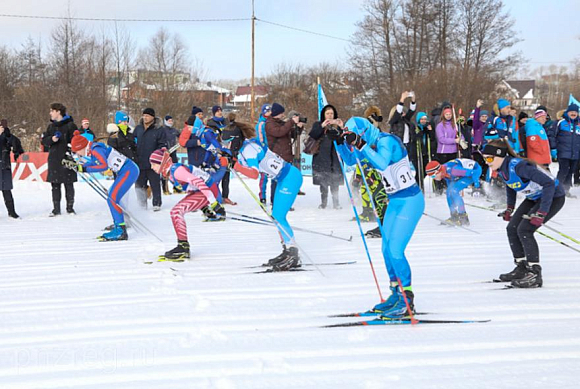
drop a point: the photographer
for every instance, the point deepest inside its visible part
(279, 134)
(8, 143)
(326, 171)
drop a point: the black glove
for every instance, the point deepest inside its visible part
(354, 139)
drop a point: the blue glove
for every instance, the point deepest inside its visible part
(58, 134)
(554, 154)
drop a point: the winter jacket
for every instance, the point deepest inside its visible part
(399, 121)
(217, 124)
(537, 143)
(57, 173)
(148, 140)
(124, 142)
(478, 129)
(261, 131)
(189, 139)
(428, 138)
(171, 136)
(506, 126)
(232, 138)
(9, 143)
(446, 135)
(568, 138)
(88, 133)
(279, 134)
(326, 170)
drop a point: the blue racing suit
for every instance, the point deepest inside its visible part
(460, 173)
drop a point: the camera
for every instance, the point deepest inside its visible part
(302, 119)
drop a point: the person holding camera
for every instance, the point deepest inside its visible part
(57, 137)
(8, 143)
(326, 171)
(279, 135)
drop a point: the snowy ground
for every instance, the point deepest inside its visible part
(76, 313)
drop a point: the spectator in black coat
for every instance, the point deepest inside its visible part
(402, 125)
(8, 143)
(121, 136)
(232, 138)
(195, 153)
(326, 171)
(150, 136)
(171, 136)
(57, 137)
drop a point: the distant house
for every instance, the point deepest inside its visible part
(522, 94)
(243, 96)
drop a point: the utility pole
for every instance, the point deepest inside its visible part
(253, 44)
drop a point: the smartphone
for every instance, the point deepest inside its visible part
(412, 94)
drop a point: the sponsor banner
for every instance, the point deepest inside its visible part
(30, 167)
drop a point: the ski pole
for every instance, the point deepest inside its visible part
(273, 219)
(551, 221)
(340, 162)
(105, 196)
(294, 228)
(379, 222)
(558, 241)
(527, 217)
(443, 222)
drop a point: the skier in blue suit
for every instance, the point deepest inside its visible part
(101, 158)
(254, 158)
(459, 174)
(386, 153)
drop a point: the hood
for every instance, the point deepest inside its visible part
(364, 129)
(419, 116)
(324, 108)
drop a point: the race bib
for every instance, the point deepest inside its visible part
(271, 164)
(399, 176)
(467, 163)
(116, 160)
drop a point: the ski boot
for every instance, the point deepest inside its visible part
(463, 219)
(289, 262)
(374, 233)
(277, 258)
(117, 233)
(399, 309)
(177, 254)
(519, 272)
(532, 278)
(452, 221)
(390, 302)
(211, 216)
(69, 208)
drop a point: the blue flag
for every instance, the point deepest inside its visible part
(321, 100)
(571, 101)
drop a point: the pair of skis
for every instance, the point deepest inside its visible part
(379, 321)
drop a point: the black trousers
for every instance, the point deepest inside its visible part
(226, 185)
(8, 200)
(324, 194)
(69, 193)
(520, 231)
(148, 175)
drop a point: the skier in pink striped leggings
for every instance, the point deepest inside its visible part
(197, 183)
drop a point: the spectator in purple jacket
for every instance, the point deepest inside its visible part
(447, 138)
(480, 117)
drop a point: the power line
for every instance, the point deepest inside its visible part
(120, 20)
(305, 31)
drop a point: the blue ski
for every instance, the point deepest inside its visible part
(380, 322)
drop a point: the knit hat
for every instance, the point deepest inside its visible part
(489, 149)
(265, 109)
(502, 103)
(433, 168)
(85, 120)
(149, 111)
(195, 110)
(572, 108)
(539, 113)
(78, 142)
(121, 116)
(167, 117)
(157, 156)
(215, 108)
(483, 112)
(522, 115)
(277, 109)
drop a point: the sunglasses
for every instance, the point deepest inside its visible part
(488, 158)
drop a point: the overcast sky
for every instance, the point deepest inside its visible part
(550, 30)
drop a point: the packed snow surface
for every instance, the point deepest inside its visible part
(78, 313)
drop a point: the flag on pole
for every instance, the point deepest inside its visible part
(321, 99)
(571, 101)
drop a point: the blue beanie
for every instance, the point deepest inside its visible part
(195, 110)
(483, 112)
(572, 108)
(502, 103)
(215, 108)
(265, 109)
(277, 109)
(121, 116)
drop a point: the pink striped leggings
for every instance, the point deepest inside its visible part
(192, 202)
